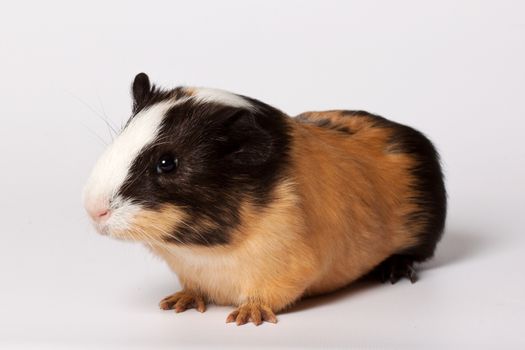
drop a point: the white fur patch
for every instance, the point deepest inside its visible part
(221, 97)
(123, 212)
(113, 166)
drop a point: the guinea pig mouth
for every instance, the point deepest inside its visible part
(115, 220)
(101, 228)
(129, 221)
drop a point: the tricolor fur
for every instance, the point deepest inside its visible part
(263, 208)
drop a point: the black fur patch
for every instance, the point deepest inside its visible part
(226, 155)
(429, 190)
(326, 123)
(145, 94)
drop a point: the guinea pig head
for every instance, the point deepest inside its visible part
(185, 163)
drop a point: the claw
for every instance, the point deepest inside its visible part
(255, 313)
(394, 277)
(411, 274)
(181, 301)
(395, 268)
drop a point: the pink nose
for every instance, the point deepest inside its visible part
(99, 214)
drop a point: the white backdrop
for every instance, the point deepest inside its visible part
(454, 69)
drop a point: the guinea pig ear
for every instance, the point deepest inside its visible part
(140, 89)
(247, 142)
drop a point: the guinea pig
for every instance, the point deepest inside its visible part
(256, 209)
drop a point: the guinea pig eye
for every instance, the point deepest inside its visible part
(166, 164)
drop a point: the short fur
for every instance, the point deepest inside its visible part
(264, 209)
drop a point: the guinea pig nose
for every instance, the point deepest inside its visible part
(102, 213)
(99, 214)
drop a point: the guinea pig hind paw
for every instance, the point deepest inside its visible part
(397, 267)
(255, 313)
(182, 301)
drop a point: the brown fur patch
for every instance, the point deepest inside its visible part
(153, 226)
(189, 91)
(264, 264)
(356, 196)
(341, 211)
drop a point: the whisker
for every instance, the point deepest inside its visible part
(108, 125)
(106, 118)
(97, 136)
(194, 230)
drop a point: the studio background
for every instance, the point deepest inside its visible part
(453, 69)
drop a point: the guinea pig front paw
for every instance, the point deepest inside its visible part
(257, 313)
(183, 300)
